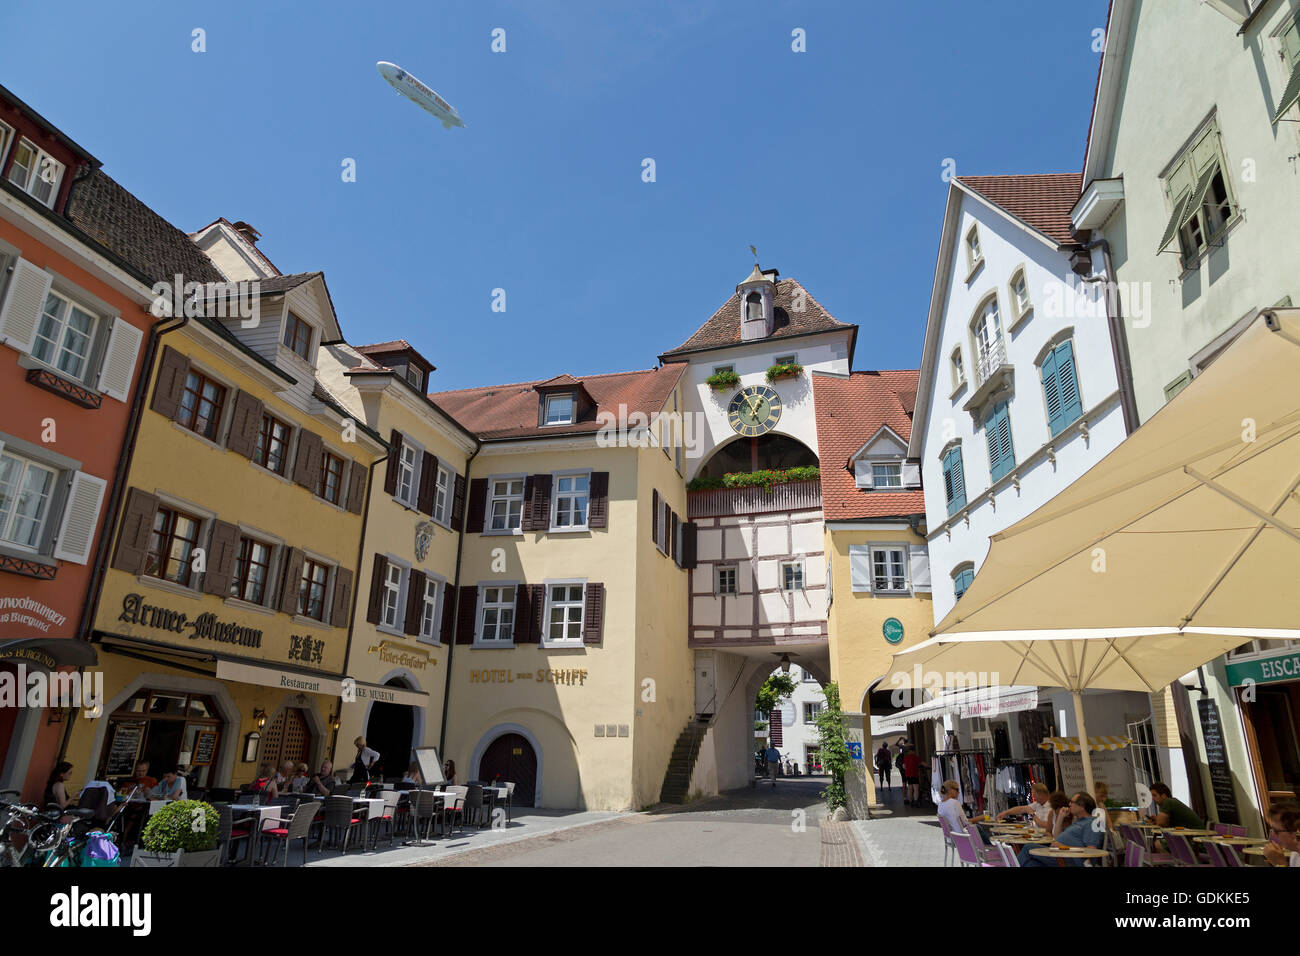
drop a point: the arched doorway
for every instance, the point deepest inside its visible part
(391, 731)
(773, 451)
(511, 758)
(287, 738)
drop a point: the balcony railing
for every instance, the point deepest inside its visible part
(990, 361)
(718, 502)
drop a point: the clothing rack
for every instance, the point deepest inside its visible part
(1014, 780)
(972, 769)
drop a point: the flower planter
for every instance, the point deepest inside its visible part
(722, 383)
(178, 858)
(778, 372)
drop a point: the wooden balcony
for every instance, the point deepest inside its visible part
(717, 502)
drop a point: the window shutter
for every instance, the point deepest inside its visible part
(672, 536)
(1051, 392)
(118, 368)
(306, 467)
(478, 489)
(222, 551)
(24, 302)
(911, 474)
(458, 506)
(919, 565)
(598, 500)
(80, 515)
(593, 614)
(375, 608)
(448, 608)
(525, 630)
(860, 568)
(997, 431)
(654, 517)
(466, 615)
(688, 545)
(245, 424)
(541, 502)
(537, 623)
(169, 387)
(292, 582)
(357, 476)
(863, 476)
(428, 479)
(414, 601)
(954, 478)
(137, 529)
(1071, 403)
(962, 581)
(394, 462)
(342, 597)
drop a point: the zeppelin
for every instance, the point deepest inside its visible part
(419, 94)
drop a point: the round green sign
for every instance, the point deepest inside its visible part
(893, 630)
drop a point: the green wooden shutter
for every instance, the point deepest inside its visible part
(1051, 393)
(962, 581)
(1068, 384)
(997, 430)
(954, 481)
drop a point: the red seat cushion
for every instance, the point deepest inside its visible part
(239, 831)
(278, 831)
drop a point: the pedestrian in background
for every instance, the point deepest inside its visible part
(773, 763)
(884, 765)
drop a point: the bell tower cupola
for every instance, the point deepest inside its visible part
(757, 304)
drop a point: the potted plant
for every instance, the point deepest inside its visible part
(183, 833)
(784, 370)
(723, 379)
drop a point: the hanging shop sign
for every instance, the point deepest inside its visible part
(270, 677)
(1216, 755)
(407, 657)
(1265, 670)
(206, 626)
(893, 630)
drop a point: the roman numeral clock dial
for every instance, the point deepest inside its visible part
(754, 410)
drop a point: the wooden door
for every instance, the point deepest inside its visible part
(511, 758)
(287, 738)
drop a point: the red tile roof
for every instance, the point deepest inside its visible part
(391, 348)
(510, 411)
(849, 413)
(1042, 200)
(723, 328)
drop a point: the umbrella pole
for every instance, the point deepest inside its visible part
(1083, 741)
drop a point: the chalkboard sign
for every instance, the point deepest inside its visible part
(1216, 755)
(204, 744)
(124, 748)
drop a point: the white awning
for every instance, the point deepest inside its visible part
(975, 702)
(306, 683)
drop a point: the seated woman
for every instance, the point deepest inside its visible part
(56, 789)
(1102, 794)
(950, 808)
(265, 782)
(1038, 807)
(1061, 817)
(301, 779)
(1081, 832)
(449, 771)
(412, 776)
(1284, 832)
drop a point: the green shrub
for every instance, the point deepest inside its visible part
(784, 370)
(834, 748)
(764, 478)
(182, 825)
(726, 378)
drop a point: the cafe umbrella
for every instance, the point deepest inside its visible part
(1175, 548)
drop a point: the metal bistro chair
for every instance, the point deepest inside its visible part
(1229, 829)
(510, 797)
(454, 807)
(948, 847)
(341, 821)
(299, 828)
(388, 817)
(1134, 853)
(1180, 848)
(229, 835)
(968, 850)
(422, 812)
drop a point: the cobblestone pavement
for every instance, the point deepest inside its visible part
(900, 841)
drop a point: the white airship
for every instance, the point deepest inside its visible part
(419, 94)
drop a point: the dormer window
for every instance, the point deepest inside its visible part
(559, 409)
(416, 377)
(887, 475)
(297, 336)
(36, 172)
(754, 307)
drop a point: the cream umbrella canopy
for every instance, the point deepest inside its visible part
(1179, 545)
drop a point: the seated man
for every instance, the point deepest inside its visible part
(1084, 831)
(1172, 812)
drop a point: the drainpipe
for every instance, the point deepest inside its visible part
(156, 332)
(455, 619)
(1081, 263)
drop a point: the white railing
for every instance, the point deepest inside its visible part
(715, 502)
(990, 361)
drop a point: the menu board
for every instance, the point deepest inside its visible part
(1216, 755)
(122, 751)
(204, 744)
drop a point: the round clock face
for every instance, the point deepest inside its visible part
(754, 410)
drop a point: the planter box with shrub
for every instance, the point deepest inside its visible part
(183, 833)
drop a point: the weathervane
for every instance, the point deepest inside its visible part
(755, 252)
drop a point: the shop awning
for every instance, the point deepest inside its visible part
(49, 652)
(1071, 744)
(304, 682)
(975, 702)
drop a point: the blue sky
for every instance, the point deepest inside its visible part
(828, 161)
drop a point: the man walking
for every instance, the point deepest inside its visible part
(773, 763)
(884, 765)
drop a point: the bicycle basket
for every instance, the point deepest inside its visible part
(100, 850)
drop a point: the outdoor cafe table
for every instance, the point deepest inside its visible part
(1188, 832)
(265, 814)
(1231, 840)
(1022, 840)
(1074, 853)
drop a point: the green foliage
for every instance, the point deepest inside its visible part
(784, 370)
(760, 725)
(182, 825)
(775, 689)
(834, 749)
(725, 378)
(764, 478)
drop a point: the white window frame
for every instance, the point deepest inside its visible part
(481, 613)
(546, 408)
(957, 367)
(202, 539)
(34, 173)
(556, 477)
(718, 570)
(327, 593)
(877, 485)
(273, 554)
(493, 497)
(974, 250)
(545, 638)
(46, 521)
(1020, 311)
(444, 486)
(313, 336)
(902, 549)
(398, 627)
(417, 463)
(797, 567)
(433, 607)
(96, 325)
(811, 708)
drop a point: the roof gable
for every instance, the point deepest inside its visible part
(1041, 201)
(886, 441)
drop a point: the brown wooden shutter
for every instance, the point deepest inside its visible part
(458, 506)
(524, 624)
(526, 507)
(537, 620)
(428, 484)
(593, 614)
(478, 489)
(245, 424)
(357, 478)
(306, 467)
(342, 597)
(394, 462)
(672, 535)
(654, 517)
(468, 611)
(375, 609)
(291, 582)
(137, 530)
(688, 560)
(414, 601)
(598, 500)
(173, 369)
(541, 502)
(446, 633)
(223, 551)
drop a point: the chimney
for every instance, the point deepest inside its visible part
(247, 231)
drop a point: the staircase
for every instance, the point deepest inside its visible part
(677, 780)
